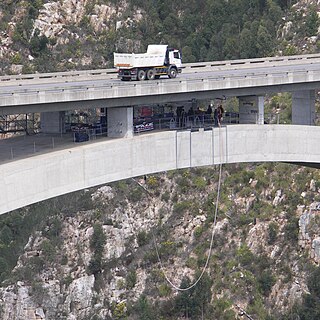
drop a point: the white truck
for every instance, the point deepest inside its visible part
(158, 60)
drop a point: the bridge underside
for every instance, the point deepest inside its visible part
(314, 165)
(88, 101)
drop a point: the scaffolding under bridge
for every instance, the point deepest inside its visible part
(11, 124)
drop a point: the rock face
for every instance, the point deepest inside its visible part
(55, 17)
(75, 292)
(292, 23)
(70, 27)
(21, 301)
(309, 231)
(84, 273)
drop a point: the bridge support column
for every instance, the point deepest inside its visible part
(53, 122)
(251, 109)
(303, 107)
(120, 122)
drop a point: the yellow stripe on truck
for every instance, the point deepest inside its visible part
(123, 65)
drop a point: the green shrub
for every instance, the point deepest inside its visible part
(67, 280)
(165, 197)
(119, 310)
(244, 255)
(142, 238)
(144, 309)
(150, 257)
(222, 309)
(272, 233)
(200, 183)
(6, 235)
(266, 281)
(98, 239)
(131, 279)
(183, 184)
(97, 243)
(198, 232)
(16, 59)
(245, 192)
(136, 194)
(291, 230)
(4, 269)
(152, 182)
(95, 265)
(167, 249)
(191, 263)
(39, 292)
(181, 207)
(48, 251)
(64, 260)
(164, 290)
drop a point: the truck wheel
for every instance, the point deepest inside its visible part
(172, 73)
(151, 74)
(141, 75)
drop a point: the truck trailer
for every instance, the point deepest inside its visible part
(157, 61)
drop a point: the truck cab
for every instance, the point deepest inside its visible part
(174, 57)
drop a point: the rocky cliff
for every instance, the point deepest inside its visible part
(78, 34)
(101, 263)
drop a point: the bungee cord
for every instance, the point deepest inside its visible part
(210, 248)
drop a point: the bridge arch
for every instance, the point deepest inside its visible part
(44, 176)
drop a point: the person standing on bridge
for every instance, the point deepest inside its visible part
(220, 114)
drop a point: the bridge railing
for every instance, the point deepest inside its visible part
(187, 67)
(183, 122)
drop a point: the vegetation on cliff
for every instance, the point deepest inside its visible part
(257, 265)
(204, 30)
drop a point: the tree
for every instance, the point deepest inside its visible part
(264, 42)
(247, 48)
(194, 302)
(4, 268)
(97, 243)
(312, 21)
(6, 235)
(144, 309)
(310, 308)
(38, 44)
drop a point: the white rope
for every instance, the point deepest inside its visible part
(210, 249)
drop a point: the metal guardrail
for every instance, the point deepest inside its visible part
(188, 122)
(127, 85)
(197, 78)
(188, 68)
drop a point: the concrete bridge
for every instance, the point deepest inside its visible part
(249, 80)
(41, 177)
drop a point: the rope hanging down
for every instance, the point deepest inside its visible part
(210, 249)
